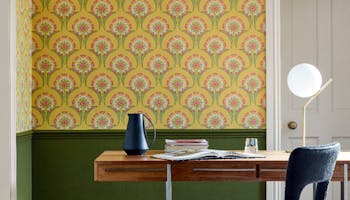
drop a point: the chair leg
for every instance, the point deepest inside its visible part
(321, 191)
(293, 192)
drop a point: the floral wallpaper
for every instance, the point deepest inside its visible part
(24, 66)
(185, 63)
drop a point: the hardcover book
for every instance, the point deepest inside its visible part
(185, 144)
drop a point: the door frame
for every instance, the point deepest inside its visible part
(273, 88)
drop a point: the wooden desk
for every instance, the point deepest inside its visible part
(117, 166)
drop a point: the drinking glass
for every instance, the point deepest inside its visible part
(251, 145)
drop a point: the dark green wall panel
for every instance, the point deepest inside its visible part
(63, 168)
(24, 166)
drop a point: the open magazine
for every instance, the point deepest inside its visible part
(205, 154)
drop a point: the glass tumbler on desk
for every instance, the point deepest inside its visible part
(251, 145)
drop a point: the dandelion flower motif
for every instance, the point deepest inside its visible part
(215, 8)
(64, 45)
(177, 120)
(195, 26)
(177, 8)
(83, 102)
(214, 45)
(263, 27)
(45, 102)
(196, 102)
(177, 83)
(45, 27)
(35, 121)
(253, 119)
(263, 101)
(120, 26)
(82, 64)
(158, 26)
(195, 64)
(215, 120)
(233, 64)
(83, 26)
(263, 63)
(102, 120)
(64, 121)
(64, 8)
(64, 83)
(139, 45)
(233, 102)
(35, 83)
(120, 102)
(158, 101)
(102, 8)
(139, 83)
(252, 83)
(251, 8)
(33, 46)
(215, 83)
(158, 64)
(120, 64)
(45, 64)
(102, 83)
(233, 26)
(139, 8)
(102, 45)
(177, 45)
(252, 45)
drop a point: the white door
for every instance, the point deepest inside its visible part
(317, 32)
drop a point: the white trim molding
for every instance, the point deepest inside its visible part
(8, 100)
(273, 88)
(13, 80)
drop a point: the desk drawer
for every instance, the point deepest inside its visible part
(130, 172)
(206, 171)
(268, 172)
(338, 174)
(272, 172)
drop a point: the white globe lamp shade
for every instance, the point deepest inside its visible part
(304, 80)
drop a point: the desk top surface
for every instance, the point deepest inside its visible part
(270, 156)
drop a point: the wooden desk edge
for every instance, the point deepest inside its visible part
(119, 158)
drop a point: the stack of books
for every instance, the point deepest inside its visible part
(185, 144)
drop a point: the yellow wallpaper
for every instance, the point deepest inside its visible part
(185, 63)
(24, 65)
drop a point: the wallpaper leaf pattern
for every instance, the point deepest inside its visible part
(184, 63)
(23, 66)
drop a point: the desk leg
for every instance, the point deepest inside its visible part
(344, 184)
(168, 192)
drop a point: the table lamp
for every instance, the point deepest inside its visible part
(305, 80)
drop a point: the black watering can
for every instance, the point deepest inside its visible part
(135, 141)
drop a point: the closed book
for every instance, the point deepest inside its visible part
(172, 148)
(186, 142)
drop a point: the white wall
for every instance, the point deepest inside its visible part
(7, 131)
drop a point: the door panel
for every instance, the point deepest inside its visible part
(317, 32)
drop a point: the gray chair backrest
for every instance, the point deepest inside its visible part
(310, 165)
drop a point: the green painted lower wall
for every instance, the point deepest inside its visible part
(63, 168)
(24, 165)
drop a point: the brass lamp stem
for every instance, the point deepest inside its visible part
(308, 102)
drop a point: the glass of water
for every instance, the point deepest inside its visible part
(251, 145)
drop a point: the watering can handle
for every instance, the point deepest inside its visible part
(154, 130)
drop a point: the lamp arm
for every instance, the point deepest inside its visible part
(318, 93)
(307, 104)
